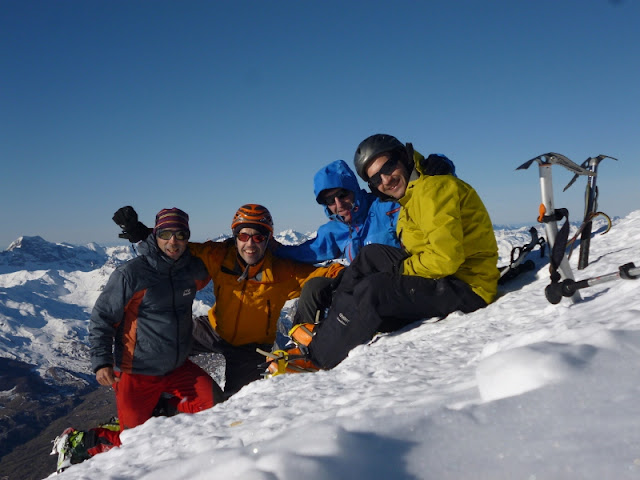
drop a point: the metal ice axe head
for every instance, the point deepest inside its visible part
(590, 163)
(552, 158)
(545, 161)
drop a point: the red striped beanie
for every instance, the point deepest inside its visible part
(173, 218)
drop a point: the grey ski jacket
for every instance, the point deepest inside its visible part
(141, 322)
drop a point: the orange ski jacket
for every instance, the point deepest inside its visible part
(247, 311)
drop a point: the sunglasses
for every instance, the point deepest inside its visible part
(167, 234)
(257, 237)
(330, 199)
(387, 169)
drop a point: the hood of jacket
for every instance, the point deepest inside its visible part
(338, 175)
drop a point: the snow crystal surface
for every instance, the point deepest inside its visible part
(519, 390)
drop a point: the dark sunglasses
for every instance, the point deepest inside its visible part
(257, 237)
(387, 169)
(330, 199)
(167, 234)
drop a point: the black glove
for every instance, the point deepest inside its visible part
(126, 218)
(133, 230)
(438, 164)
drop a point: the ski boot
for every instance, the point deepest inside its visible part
(294, 360)
(75, 446)
(70, 449)
(112, 424)
(302, 334)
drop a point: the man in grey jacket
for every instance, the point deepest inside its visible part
(140, 337)
(140, 328)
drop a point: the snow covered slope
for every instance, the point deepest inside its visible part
(521, 389)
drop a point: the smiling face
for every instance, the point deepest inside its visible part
(172, 248)
(340, 202)
(393, 183)
(250, 250)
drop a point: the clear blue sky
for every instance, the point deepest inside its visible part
(206, 105)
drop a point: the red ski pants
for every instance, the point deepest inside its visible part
(137, 395)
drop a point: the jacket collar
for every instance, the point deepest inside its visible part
(234, 265)
(148, 248)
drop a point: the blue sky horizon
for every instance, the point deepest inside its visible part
(208, 105)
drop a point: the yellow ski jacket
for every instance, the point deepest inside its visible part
(247, 311)
(446, 229)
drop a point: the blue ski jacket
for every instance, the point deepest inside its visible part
(372, 221)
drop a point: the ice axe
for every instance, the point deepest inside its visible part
(549, 215)
(590, 207)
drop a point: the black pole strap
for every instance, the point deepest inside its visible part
(554, 291)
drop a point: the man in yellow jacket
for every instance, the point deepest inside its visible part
(447, 261)
(250, 286)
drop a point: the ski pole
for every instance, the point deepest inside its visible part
(568, 287)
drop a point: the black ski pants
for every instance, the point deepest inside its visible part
(373, 296)
(242, 362)
(315, 296)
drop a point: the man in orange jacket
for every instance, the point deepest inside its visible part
(250, 285)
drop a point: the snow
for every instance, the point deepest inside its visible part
(519, 390)
(290, 237)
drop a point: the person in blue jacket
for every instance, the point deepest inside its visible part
(356, 218)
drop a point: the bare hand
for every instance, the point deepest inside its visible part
(106, 377)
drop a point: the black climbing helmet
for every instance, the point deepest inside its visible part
(372, 147)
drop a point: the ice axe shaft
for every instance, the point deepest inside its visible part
(551, 227)
(591, 206)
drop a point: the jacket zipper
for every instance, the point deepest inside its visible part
(175, 313)
(237, 322)
(268, 317)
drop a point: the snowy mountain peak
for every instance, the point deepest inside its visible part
(35, 253)
(24, 242)
(291, 237)
(286, 237)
